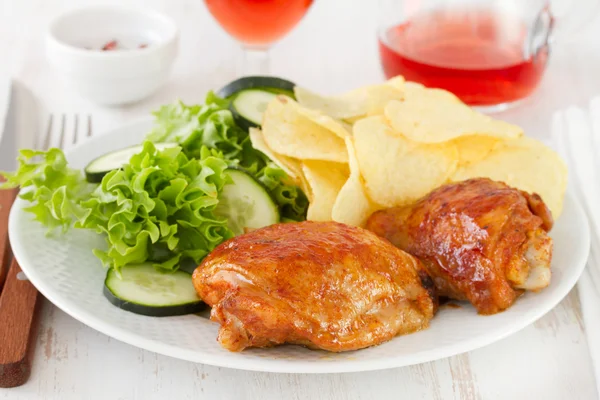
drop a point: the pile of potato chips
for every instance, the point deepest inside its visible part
(390, 144)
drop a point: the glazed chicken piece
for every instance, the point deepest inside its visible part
(480, 240)
(324, 285)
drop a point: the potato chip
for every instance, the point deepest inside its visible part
(525, 164)
(290, 133)
(325, 121)
(352, 205)
(414, 90)
(398, 82)
(291, 166)
(379, 96)
(474, 148)
(426, 121)
(398, 171)
(348, 105)
(348, 125)
(390, 144)
(350, 121)
(325, 179)
(358, 103)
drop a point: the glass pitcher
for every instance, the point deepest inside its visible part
(490, 53)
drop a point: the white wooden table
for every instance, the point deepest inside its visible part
(333, 49)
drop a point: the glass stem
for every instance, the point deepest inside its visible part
(255, 61)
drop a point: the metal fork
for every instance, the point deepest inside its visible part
(58, 127)
(19, 305)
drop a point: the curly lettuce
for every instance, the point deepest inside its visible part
(212, 125)
(159, 207)
(53, 189)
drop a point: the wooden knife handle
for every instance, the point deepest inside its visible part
(19, 302)
(7, 197)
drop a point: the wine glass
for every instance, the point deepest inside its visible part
(257, 24)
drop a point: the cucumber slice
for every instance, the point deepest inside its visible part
(268, 83)
(246, 203)
(142, 289)
(249, 97)
(102, 165)
(251, 104)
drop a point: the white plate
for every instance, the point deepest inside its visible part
(67, 273)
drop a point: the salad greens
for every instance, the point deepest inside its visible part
(53, 188)
(160, 206)
(213, 125)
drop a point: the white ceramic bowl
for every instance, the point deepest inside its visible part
(127, 75)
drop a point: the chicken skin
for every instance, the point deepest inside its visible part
(323, 285)
(480, 240)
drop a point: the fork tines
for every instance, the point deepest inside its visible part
(58, 127)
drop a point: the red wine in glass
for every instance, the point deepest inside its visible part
(257, 24)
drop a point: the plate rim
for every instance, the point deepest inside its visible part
(286, 365)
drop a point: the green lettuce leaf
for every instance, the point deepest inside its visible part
(53, 188)
(212, 125)
(159, 207)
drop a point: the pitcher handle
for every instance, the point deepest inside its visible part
(562, 21)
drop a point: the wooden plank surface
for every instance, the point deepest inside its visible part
(332, 50)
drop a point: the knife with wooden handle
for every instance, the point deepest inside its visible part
(19, 303)
(7, 197)
(19, 300)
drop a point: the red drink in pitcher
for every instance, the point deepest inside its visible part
(476, 54)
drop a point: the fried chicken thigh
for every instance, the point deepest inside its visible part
(324, 285)
(480, 240)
